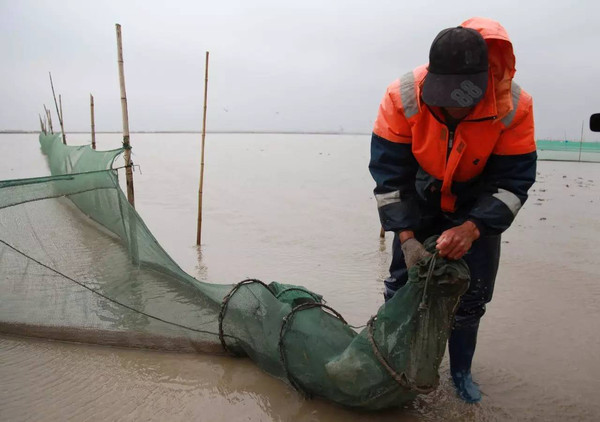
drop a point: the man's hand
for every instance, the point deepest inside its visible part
(457, 241)
(413, 252)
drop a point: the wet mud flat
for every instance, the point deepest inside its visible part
(307, 217)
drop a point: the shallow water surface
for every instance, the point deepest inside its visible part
(299, 209)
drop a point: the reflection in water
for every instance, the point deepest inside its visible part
(178, 385)
(201, 270)
(66, 381)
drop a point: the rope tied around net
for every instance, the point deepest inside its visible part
(423, 305)
(133, 166)
(284, 329)
(94, 291)
(401, 378)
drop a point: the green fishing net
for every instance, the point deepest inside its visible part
(77, 263)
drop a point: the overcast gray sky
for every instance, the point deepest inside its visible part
(275, 65)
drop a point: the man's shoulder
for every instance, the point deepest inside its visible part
(404, 92)
(518, 91)
(414, 76)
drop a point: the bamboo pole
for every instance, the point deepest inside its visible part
(57, 111)
(49, 117)
(62, 128)
(93, 122)
(199, 234)
(126, 145)
(50, 121)
(133, 242)
(42, 127)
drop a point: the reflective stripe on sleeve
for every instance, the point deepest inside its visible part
(509, 199)
(408, 95)
(516, 95)
(384, 199)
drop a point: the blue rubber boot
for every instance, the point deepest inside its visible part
(462, 347)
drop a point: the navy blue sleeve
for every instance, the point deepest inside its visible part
(507, 178)
(393, 166)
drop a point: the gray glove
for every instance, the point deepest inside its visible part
(413, 251)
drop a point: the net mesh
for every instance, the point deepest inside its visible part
(77, 263)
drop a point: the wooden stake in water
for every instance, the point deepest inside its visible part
(49, 117)
(59, 112)
(62, 127)
(125, 115)
(581, 141)
(49, 114)
(42, 126)
(93, 122)
(199, 234)
(46, 116)
(382, 233)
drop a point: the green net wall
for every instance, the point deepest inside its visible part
(574, 146)
(77, 263)
(568, 151)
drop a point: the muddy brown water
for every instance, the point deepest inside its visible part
(299, 209)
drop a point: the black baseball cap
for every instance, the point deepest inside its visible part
(458, 69)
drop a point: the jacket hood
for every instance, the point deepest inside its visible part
(501, 60)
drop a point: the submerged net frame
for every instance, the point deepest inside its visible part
(77, 263)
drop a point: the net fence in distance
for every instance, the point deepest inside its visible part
(549, 150)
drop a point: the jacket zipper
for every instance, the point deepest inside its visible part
(451, 132)
(450, 142)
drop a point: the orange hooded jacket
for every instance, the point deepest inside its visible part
(480, 171)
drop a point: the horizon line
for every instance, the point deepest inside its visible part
(267, 132)
(286, 132)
